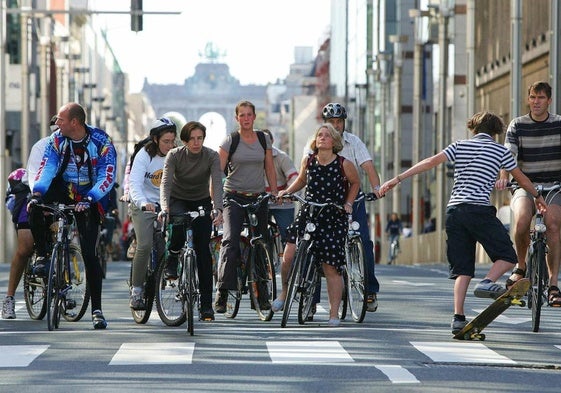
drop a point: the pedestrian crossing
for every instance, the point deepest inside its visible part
(286, 352)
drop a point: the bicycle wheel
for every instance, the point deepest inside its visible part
(356, 279)
(78, 295)
(235, 296)
(262, 281)
(294, 279)
(103, 255)
(343, 306)
(275, 246)
(310, 280)
(537, 272)
(190, 296)
(169, 294)
(34, 291)
(53, 288)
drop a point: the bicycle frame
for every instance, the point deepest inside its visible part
(259, 268)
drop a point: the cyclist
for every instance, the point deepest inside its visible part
(78, 167)
(394, 228)
(189, 173)
(245, 181)
(327, 178)
(356, 152)
(144, 193)
(534, 141)
(470, 217)
(20, 219)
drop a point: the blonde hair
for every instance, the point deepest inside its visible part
(337, 139)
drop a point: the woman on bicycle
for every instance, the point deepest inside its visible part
(327, 177)
(189, 171)
(247, 168)
(393, 229)
(144, 193)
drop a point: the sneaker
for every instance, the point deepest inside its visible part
(41, 267)
(457, 326)
(136, 302)
(9, 308)
(220, 302)
(98, 320)
(371, 302)
(488, 289)
(206, 313)
(334, 322)
(171, 268)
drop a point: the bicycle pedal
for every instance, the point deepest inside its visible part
(70, 304)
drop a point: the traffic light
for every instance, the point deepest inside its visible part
(136, 15)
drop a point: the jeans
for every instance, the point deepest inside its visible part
(360, 216)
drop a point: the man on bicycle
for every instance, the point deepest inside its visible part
(356, 152)
(78, 167)
(394, 227)
(530, 138)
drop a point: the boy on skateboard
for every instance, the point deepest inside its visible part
(470, 217)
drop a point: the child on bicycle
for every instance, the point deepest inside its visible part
(470, 217)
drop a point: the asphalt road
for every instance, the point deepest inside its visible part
(406, 346)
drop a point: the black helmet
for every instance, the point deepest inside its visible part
(160, 125)
(334, 110)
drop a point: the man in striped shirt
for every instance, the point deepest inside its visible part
(470, 217)
(535, 141)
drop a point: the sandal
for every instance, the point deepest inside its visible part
(519, 272)
(554, 296)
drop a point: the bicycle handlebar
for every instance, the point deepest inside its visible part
(539, 187)
(260, 200)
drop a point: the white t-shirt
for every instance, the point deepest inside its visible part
(145, 178)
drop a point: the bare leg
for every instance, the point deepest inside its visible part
(23, 251)
(552, 220)
(287, 259)
(334, 289)
(498, 268)
(460, 289)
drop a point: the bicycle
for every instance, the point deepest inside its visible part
(394, 250)
(34, 291)
(103, 243)
(177, 298)
(276, 248)
(355, 274)
(156, 256)
(67, 292)
(305, 273)
(257, 268)
(536, 267)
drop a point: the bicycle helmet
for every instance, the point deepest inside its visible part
(334, 110)
(160, 125)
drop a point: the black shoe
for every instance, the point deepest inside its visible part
(98, 320)
(206, 313)
(171, 267)
(41, 267)
(220, 302)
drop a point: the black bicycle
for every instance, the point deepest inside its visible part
(156, 256)
(536, 267)
(67, 292)
(178, 298)
(305, 272)
(355, 273)
(257, 269)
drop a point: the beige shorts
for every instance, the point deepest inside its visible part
(551, 197)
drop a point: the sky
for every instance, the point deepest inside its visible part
(257, 36)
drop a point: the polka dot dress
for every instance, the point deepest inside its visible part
(324, 183)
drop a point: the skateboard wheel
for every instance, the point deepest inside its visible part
(481, 337)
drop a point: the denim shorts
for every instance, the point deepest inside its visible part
(467, 225)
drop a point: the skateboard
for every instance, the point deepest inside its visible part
(472, 331)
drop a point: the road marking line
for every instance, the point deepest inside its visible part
(466, 352)
(413, 284)
(397, 374)
(20, 355)
(153, 353)
(505, 319)
(307, 352)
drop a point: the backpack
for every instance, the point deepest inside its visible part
(16, 194)
(236, 141)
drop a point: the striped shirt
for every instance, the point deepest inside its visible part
(477, 163)
(537, 147)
